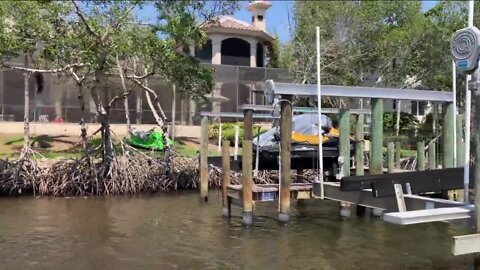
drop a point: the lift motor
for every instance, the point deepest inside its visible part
(466, 53)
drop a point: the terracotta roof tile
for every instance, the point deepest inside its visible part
(230, 22)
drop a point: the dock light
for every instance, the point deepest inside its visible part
(465, 47)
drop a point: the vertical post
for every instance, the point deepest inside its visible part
(398, 155)
(237, 133)
(247, 183)
(225, 176)
(257, 152)
(359, 144)
(344, 125)
(174, 110)
(391, 157)
(376, 160)
(432, 157)
(219, 137)
(285, 149)
(203, 160)
(460, 142)
(477, 172)
(447, 136)
(421, 156)
(248, 124)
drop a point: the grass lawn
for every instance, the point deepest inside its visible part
(55, 147)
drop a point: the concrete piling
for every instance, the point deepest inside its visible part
(398, 155)
(344, 147)
(390, 157)
(376, 160)
(359, 145)
(447, 135)
(421, 156)
(432, 156)
(376, 151)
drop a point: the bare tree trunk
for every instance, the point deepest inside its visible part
(103, 115)
(26, 113)
(83, 127)
(125, 100)
(26, 120)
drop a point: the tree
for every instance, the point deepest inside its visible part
(26, 25)
(110, 40)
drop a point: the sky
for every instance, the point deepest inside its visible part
(276, 17)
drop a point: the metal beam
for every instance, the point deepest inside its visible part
(269, 108)
(466, 244)
(361, 92)
(238, 115)
(428, 215)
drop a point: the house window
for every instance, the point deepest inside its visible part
(253, 18)
(394, 105)
(260, 18)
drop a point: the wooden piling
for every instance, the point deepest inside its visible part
(447, 135)
(460, 141)
(225, 176)
(421, 156)
(359, 144)
(391, 157)
(203, 160)
(285, 165)
(247, 182)
(398, 155)
(432, 156)
(376, 160)
(344, 147)
(248, 124)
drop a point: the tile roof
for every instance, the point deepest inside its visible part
(233, 23)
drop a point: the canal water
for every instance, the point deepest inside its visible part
(176, 231)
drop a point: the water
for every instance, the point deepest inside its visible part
(175, 231)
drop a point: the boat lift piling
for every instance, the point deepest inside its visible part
(225, 177)
(285, 155)
(203, 160)
(421, 156)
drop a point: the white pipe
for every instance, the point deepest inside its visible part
(235, 153)
(220, 138)
(468, 112)
(454, 92)
(319, 107)
(257, 154)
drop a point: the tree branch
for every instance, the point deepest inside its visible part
(150, 91)
(32, 70)
(78, 11)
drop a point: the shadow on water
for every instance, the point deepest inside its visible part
(176, 231)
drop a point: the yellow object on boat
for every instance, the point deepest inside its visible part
(313, 139)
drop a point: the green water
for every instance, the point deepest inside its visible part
(176, 231)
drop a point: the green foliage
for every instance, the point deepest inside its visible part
(273, 54)
(365, 40)
(407, 121)
(228, 132)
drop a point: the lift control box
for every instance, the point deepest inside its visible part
(465, 47)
